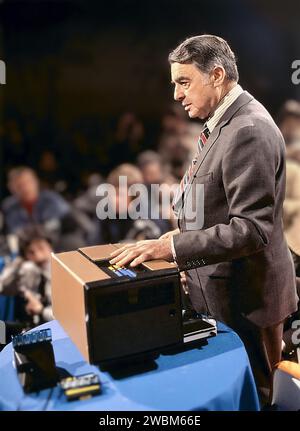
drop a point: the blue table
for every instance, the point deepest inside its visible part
(216, 376)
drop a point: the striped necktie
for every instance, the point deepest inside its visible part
(186, 179)
(204, 135)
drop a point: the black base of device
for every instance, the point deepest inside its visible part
(35, 366)
(195, 327)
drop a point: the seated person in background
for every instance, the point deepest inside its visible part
(175, 154)
(29, 205)
(288, 121)
(87, 201)
(122, 227)
(4, 247)
(155, 172)
(291, 204)
(28, 278)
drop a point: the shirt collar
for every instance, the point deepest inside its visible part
(224, 104)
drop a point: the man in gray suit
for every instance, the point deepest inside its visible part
(237, 262)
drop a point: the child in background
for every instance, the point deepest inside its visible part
(28, 278)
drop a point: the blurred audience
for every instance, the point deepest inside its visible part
(154, 171)
(175, 154)
(174, 120)
(28, 278)
(151, 166)
(28, 204)
(288, 121)
(291, 205)
(124, 228)
(87, 200)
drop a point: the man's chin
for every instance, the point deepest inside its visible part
(192, 114)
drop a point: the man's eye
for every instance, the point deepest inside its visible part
(185, 84)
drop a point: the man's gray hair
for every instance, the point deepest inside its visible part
(206, 51)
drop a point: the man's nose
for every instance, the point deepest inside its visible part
(178, 93)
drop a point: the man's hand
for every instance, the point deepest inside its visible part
(184, 284)
(142, 251)
(33, 305)
(170, 234)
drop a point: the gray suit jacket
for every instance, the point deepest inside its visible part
(239, 259)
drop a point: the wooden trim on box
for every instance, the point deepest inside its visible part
(68, 304)
(80, 267)
(155, 265)
(99, 252)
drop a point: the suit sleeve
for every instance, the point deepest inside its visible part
(248, 170)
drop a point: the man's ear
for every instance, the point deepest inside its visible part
(218, 76)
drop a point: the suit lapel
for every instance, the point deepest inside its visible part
(242, 100)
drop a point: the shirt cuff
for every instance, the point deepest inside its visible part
(173, 249)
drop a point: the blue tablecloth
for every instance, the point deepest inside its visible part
(215, 376)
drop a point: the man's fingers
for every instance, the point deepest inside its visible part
(126, 260)
(118, 257)
(121, 250)
(138, 255)
(125, 257)
(123, 262)
(124, 253)
(140, 259)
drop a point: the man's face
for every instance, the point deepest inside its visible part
(194, 89)
(152, 173)
(121, 200)
(39, 252)
(25, 187)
